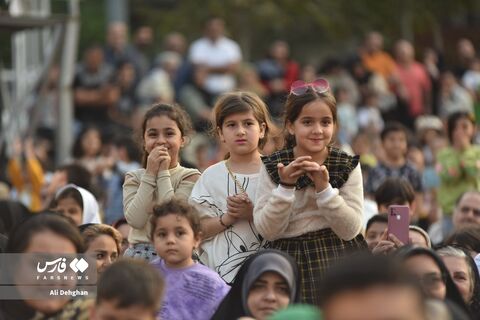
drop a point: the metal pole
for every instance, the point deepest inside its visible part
(64, 139)
(117, 11)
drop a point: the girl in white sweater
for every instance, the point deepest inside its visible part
(311, 199)
(225, 193)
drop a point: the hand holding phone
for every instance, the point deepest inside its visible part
(398, 222)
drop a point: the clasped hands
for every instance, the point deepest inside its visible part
(158, 160)
(290, 173)
(240, 207)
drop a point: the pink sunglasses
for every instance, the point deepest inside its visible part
(319, 85)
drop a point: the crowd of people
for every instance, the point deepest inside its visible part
(205, 187)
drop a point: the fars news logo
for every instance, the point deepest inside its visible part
(53, 270)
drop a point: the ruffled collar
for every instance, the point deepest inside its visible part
(339, 165)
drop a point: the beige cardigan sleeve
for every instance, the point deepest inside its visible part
(142, 191)
(343, 208)
(273, 207)
(138, 197)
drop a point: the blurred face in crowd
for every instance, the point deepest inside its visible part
(104, 249)
(144, 37)
(215, 28)
(176, 42)
(461, 275)
(404, 51)
(69, 207)
(269, 293)
(463, 133)
(465, 49)
(124, 230)
(395, 145)
(467, 211)
(49, 242)
(374, 42)
(108, 310)
(417, 239)
(117, 35)
(93, 59)
(126, 75)
(91, 143)
(376, 303)
(280, 50)
(424, 268)
(374, 233)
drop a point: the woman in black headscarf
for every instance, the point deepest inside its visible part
(267, 281)
(425, 265)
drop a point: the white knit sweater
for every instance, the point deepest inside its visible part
(286, 213)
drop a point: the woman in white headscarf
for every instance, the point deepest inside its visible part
(78, 204)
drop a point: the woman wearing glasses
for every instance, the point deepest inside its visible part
(310, 203)
(432, 274)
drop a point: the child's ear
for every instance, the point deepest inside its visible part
(220, 134)
(197, 240)
(185, 140)
(263, 128)
(290, 128)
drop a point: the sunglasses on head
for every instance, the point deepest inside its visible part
(300, 87)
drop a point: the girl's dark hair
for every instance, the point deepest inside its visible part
(180, 208)
(77, 150)
(378, 218)
(68, 193)
(394, 190)
(174, 112)
(119, 222)
(46, 221)
(393, 126)
(12, 213)
(453, 119)
(133, 152)
(239, 102)
(78, 175)
(294, 106)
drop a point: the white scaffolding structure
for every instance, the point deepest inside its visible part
(37, 38)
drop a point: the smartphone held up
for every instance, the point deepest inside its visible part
(398, 222)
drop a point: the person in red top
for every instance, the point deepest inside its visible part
(413, 82)
(279, 64)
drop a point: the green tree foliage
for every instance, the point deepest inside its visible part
(314, 28)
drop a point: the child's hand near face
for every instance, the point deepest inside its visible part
(240, 206)
(158, 160)
(164, 159)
